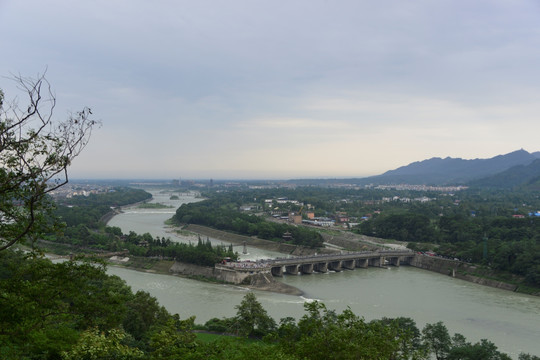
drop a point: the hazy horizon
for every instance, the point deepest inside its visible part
(281, 90)
(322, 177)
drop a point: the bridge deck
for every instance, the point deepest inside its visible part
(320, 259)
(340, 257)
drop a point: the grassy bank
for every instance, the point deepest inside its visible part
(490, 274)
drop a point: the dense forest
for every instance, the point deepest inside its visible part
(502, 243)
(83, 229)
(89, 210)
(222, 212)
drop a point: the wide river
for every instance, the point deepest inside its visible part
(510, 320)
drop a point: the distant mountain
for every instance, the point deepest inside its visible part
(438, 171)
(524, 176)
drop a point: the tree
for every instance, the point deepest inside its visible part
(238, 349)
(143, 312)
(96, 345)
(35, 152)
(44, 306)
(437, 339)
(524, 356)
(408, 334)
(174, 340)
(323, 334)
(252, 319)
(483, 350)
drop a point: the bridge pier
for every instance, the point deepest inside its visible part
(292, 269)
(348, 264)
(335, 265)
(277, 271)
(362, 263)
(320, 267)
(339, 262)
(405, 260)
(306, 268)
(377, 262)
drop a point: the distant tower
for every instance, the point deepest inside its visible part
(211, 182)
(245, 249)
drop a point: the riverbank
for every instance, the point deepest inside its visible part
(202, 273)
(472, 273)
(467, 272)
(118, 210)
(345, 240)
(259, 280)
(237, 239)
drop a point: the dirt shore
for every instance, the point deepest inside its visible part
(201, 273)
(256, 242)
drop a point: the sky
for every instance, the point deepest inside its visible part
(281, 89)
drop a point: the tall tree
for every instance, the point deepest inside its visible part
(252, 319)
(35, 152)
(437, 339)
(96, 345)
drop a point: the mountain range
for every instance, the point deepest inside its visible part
(524, 176)
(518, 168)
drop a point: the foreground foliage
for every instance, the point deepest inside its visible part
(35, 152)
(74, 310)
(45, 307)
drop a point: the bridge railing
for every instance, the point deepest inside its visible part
(322, 258)
(336, 257)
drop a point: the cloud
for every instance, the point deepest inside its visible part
(303, 87)
(285, 123)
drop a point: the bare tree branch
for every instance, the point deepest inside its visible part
(35, 152)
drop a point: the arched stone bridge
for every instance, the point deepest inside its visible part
(338, 262)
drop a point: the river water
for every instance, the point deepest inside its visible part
(510, 320)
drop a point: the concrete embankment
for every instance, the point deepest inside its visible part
(256, 279)
(458, 270)
(108, 216)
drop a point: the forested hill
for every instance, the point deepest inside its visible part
(524, 176)
(89, 210)
(449, 170)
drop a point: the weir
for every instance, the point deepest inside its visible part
(277, 271)
(320, 267)
(306, 268)
(338, 262)
(335, 265)
(292, 269)
(349, 264)
(362, 263)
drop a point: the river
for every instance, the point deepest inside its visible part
(510, 320)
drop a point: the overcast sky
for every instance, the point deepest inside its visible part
(282, 89)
